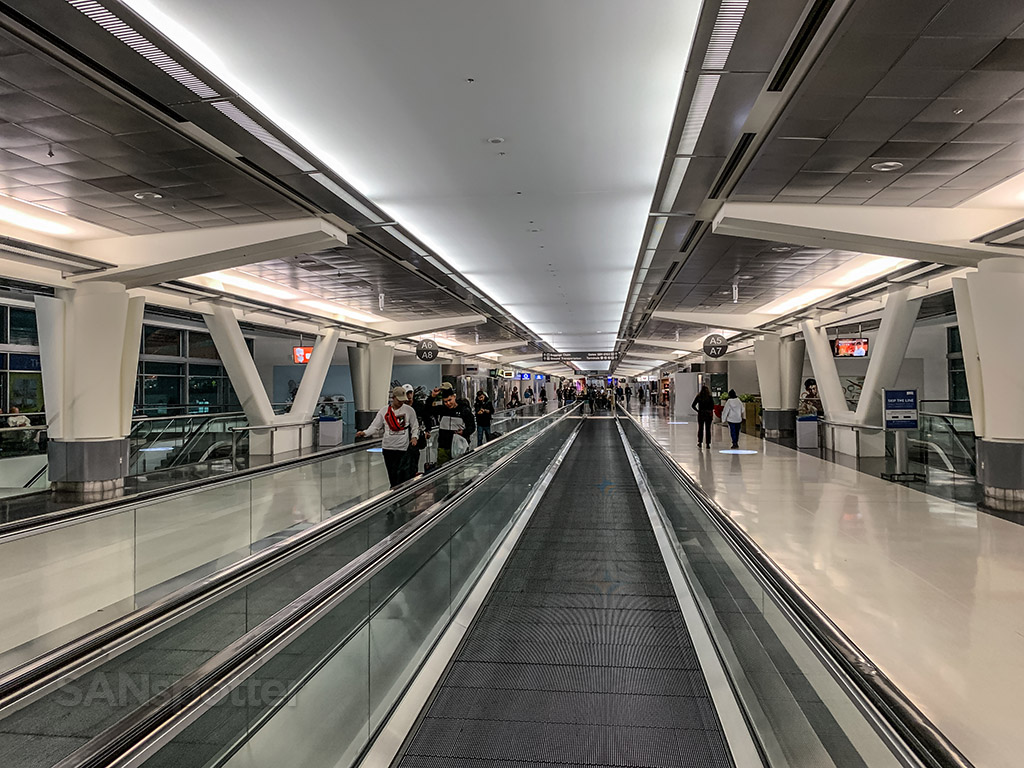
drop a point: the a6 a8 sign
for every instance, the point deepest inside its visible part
(427, 350)
(715, 345)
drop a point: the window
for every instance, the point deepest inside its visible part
(161, 341)
(959, 396)
(201, 345)
(22, 327)
(3, 325)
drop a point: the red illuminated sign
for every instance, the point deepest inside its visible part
(301, 355)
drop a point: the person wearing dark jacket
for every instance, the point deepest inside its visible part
(704, 405)
(453, 418)
(484, 409)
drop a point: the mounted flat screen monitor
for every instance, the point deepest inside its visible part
(301, 355)
(850, 348)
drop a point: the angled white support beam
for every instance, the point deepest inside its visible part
(939, 235)
(673, 345)
(238, 362)
(400, 329)
(749, 321)
(151, 259)
(313, 377)
(830, 390)
(890, 348)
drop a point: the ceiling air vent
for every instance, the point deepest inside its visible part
(812, 23)
(731, 165)
(691, 236)
(127, 35)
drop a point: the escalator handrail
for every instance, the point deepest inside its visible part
(148, 728)
(920, 734)
(955, 433)
(34, 679)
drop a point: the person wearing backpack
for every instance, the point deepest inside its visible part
(401, 429)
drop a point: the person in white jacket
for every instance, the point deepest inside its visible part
(401, 429)
(732, 414)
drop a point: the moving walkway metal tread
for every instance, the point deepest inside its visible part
(580, 655)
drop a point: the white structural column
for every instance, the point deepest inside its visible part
(270, 434)
(991, 325)
(371, 366)
(779, 365)
(89, 346)
(890, 348)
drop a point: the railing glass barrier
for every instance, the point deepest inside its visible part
(802, 709)
(76, 575)
(408, 602)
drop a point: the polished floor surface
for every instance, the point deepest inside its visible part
(931, 590)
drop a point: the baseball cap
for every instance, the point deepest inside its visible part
(447, 387)
(398, 392)
(407, 387)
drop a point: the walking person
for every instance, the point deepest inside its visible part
(704, 405)
(629, 394)
(454, 418)
(732, 414)
(484, 409)
(397, 420)
(513, 399)
(528, 395)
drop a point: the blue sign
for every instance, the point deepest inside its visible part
(523, 376)
(900, 407)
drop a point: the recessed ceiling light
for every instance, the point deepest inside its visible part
(890, 165)
(958, 111)
(147, 195)
(781, 248)
(496, 140)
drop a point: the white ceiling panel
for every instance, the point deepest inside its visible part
(583, 95)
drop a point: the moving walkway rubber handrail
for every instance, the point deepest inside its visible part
(138, 735)
(29, 682)
(924, 739)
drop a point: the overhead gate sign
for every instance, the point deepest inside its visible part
(566, 357)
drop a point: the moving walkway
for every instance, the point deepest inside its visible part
(576, 602)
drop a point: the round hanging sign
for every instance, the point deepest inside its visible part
(715, 345)
(427, 350)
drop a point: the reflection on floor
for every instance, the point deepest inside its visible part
(938, 482)
(931, 590)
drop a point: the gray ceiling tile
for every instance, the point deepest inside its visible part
(1010, 112)
(898, 110)
(943, 198)
(953, 52)
(966, 110)
(869, 129)
(984, 85)
(945, 166)
(86, 169)
(921, 180)
(18, 107)
(63, 128)
(37, 176)
(964, 18)
(991, 133)
(929, 132)
(30, 72)
(10, 160)
(854, 80)
(901, 150)
(967, 151)
(136, 162)
(813, 127)
(29, 194)
(12, 136)
(833, 163)
(1007, 56)
(916, 81)
(39, 154)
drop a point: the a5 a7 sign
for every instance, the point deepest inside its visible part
(715, 345)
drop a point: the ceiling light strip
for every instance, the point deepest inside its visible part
(700, 105)
(254, 129)
(127, 35)
(657, 230)
(730, 16)
(345, 195)
(405, 241)
(675, 181)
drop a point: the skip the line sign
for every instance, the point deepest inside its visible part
(900, 408)
(565, 357)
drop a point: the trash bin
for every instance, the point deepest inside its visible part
(331, 431)
(807, 431)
